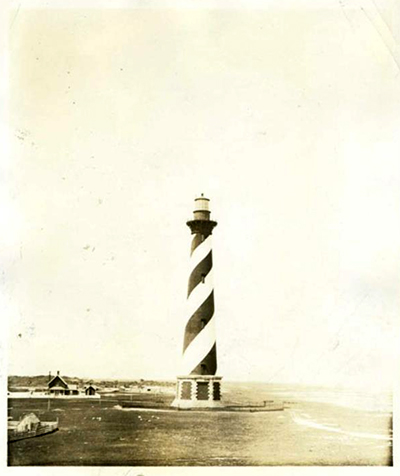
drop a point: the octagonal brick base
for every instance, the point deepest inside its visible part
(198, 391)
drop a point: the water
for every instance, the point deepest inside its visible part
(370, 401)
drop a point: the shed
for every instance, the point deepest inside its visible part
(27, 422)
(90, 390)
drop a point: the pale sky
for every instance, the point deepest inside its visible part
(288, 120)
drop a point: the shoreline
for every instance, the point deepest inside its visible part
(304, 434)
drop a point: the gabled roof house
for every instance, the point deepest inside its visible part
(58, 386)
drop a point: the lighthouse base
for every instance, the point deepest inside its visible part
(198, 391)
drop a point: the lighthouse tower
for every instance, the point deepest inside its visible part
(198, 385)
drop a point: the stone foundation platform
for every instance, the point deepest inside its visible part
(198, 391)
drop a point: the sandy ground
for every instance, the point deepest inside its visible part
(101, 433)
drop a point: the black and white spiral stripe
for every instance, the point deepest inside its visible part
(199, 349)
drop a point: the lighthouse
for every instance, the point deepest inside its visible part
(198, 386)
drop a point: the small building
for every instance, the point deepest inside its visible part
(27, 422)
(90, 390)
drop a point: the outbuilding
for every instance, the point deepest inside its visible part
(90, 390)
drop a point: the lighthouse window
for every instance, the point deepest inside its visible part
(203, 323)
(186, 390)
(203, 278)
(216, 391)
(202, 390)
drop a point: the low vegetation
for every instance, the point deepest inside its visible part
(39, 381)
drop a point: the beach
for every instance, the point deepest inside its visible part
(307, 432)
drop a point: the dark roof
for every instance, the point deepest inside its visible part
(57, 377)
